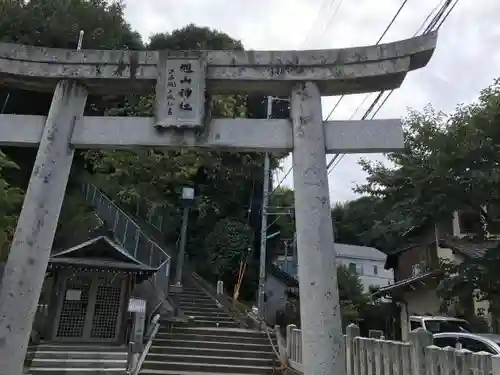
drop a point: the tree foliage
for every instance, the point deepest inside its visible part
(10, 201)
(353, 301)
(449, 163)
(228, 244)
(52, 23)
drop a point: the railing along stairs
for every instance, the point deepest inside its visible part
(129, 234)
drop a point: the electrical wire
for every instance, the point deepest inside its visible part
(316, 20)
(330, 21)
(320, 12)
(438, 20)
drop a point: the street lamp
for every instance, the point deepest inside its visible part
(187, 199)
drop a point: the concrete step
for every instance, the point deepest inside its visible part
(62, 355)
(77, 363)
(195, 337)
(189, 298)
(210, 352)
(79, 348)
(212, 318)
(182, 366)
(243, 345)
(210, 309)
(209, 359)
(195, 294)
(205, 324)
(169, 372)
(239, 332)
(197, 314)
(197, 303)
(211, 323)
(75, 371)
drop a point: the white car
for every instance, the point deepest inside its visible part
(439, 324)
(475, 342)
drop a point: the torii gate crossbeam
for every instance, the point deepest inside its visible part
(304, 75)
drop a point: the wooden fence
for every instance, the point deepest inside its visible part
(372, 356)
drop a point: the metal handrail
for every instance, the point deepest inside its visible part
(153, 328)
(117, 215)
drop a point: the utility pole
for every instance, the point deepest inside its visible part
(187, 201)
(263, 229)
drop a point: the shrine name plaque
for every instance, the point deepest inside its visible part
(180, 92)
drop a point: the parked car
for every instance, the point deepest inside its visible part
(439, 324)
(475, 342)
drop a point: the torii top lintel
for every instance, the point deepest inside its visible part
(336, 71)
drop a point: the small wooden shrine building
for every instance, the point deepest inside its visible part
(88, 288)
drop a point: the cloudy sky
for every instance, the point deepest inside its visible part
(467, 58)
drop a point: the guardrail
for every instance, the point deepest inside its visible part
(128, 234)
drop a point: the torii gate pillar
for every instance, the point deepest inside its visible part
(323, 350)
(30, 250)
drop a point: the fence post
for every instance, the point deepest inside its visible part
(419, 340)
(352, 332)
(289, 330)
(495, 365)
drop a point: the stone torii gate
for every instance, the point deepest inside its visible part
(181, 80)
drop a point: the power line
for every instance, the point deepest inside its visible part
(330, 163)
(342, 96)
(330, 21)
(315, 22)
(438, 20)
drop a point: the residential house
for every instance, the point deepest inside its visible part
(279, 287)
(367, 262)
(416, 266)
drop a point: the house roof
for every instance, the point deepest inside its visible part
(283, 276)
(468, 248)
(100, 253)
(361, 252)
(403, 284)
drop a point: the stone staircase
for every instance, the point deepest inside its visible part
(71, 359)
(210, 344)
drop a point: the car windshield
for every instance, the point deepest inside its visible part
(438, 326)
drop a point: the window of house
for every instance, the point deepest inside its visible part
(470, 221)
(356, 268)
(375, 270)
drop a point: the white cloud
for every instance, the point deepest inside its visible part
(466, 59)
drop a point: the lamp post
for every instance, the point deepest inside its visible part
(187, 200)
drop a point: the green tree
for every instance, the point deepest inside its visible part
(228, 245)
(351, 295)
(57, 23)
(53, 23)
(10, 201)
(369, 221)
(449, 163)
(353, 300)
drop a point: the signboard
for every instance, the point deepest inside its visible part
(73, 295)
(180, 92)
(136, 305)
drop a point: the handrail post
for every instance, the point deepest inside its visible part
(137, 339)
